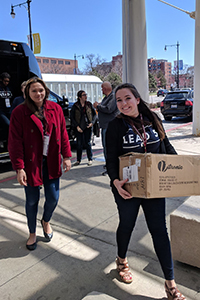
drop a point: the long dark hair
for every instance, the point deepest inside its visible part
(143, 109)
(28, 101)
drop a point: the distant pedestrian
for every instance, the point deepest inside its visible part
(37, 139)
(138, 129)
(20, 99)
(83, 117)
(107, 111)
(5, 102)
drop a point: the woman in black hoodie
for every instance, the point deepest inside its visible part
(138, 129)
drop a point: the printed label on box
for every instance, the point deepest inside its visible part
(131, 173)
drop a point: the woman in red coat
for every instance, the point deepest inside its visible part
(37, 138)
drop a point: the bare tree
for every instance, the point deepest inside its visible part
(97, 66)
(53, 69)
(117, 68)
(91, 63)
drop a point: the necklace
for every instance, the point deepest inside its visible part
(144, 136)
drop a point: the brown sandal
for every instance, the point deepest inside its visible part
(124, 269)
(173, 293)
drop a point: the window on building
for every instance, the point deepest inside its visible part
(60, 62)
(67, 62)
(39, 60)
(45, 61)
(53, 61)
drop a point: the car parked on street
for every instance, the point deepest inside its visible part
(177, 104)
(162, 92)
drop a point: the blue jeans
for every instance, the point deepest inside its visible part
(51, 190)
(154, 211)
(103, 139)
(84, 138)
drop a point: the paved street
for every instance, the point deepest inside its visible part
(79, 261)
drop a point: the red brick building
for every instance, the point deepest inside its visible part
(117, 66)
(113, 66)
(56, 65)
(156, 65)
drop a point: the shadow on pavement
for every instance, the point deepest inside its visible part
(80, 258)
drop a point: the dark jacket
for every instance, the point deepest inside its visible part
(16, 102)
(76, 113)
(114, 139)
(25, 142)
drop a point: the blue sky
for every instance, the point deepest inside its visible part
(95, 26)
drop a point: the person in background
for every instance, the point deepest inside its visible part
(83, 116)
(5, 102)
(107, 111)
(37, 139)
(20, 99)
(138, 129)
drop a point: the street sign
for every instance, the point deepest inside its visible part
(37, 43)
(180, 64)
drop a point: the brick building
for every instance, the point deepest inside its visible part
(56, 65)
(104, 68)
(66, 66)
(156, 65)
(117, 64)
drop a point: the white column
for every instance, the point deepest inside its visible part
(92, 93)
(73, 92)
(135, 68)
(196, 103)
(66, 90)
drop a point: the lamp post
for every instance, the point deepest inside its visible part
(191, 14)
(75, 58)
(177, 61)
(29, 16)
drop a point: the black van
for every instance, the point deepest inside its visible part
(18, 60)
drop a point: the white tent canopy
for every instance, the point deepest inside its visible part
(70, 78)
(68, 85)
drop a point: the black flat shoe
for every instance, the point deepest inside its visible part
(32, 246)
(47, 236)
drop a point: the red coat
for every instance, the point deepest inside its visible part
(25, 143)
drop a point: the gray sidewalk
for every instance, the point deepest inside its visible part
(79, 262)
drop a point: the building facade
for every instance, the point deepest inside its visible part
(156, 65)
(57, 65)
(52, 65)
(113, 66)
(117, 64)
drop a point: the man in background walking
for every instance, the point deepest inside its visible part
(107, 111)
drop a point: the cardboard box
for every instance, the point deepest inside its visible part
(160, 175)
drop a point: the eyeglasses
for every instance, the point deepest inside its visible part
(84, 94)
(6, 80)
